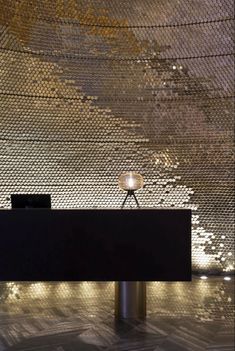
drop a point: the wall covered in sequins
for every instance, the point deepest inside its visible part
(89, 89)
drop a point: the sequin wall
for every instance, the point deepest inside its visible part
(90, 89)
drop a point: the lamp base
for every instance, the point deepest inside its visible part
(130, 193)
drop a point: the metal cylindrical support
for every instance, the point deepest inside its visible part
(130, 300)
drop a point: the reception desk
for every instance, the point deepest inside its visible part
(95, 245)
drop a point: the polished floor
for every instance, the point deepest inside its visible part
(79, 316)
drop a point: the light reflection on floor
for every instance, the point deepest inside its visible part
(69, 316)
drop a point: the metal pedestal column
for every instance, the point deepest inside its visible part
(130, 300)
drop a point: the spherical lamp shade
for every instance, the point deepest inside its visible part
(130, 181)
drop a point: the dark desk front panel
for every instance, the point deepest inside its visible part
(95, 245)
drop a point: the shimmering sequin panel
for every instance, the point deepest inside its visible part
(91, 89)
